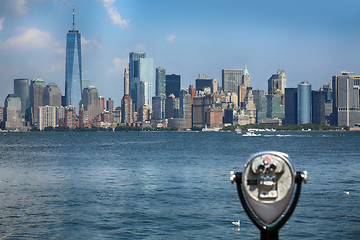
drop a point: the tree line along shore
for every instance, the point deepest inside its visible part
(296, 127)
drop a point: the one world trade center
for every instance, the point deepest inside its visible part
(73, 78)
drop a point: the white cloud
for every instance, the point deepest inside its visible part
(170, 38)
(59, 66)
(141, 46)
(13, 7)
(20, 6)
(118, 66)
(114, 14)
(59, 48)
(84, 41)
(2, 23)
(88, 45)
(31, 39)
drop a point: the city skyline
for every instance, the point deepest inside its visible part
(308, 43)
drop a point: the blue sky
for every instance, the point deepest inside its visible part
(309, 40)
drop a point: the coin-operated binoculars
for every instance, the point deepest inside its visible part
(266, 189)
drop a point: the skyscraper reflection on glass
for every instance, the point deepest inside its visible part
(73, 78)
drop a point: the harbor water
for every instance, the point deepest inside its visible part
(168, 185)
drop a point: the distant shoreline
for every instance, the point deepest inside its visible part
(185, 131)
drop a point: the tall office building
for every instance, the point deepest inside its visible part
(328, 103)
(250, 108)
(12, 112)
(160, 83)
(60, 116)
(102, 103)
(160, 90)
(258, 96)
(233, 99)
(201, 83)
(198, 111)
(70, 120)
(146, 81)
(52, 95)
(157, 108)
(1, 114)
(291, 106)
(126, 81)
(169, 105)
(127, 110)
(318, 107)
(192, 91)
(73, 74)
(143, 113)
(277, 83)
(117, 115)
(184, 102)
(36, 98)
(84, 117)
(246, 79)
(90, 100)
(141, 70)
(185, 107)
(346, 106)
(134, 74)
(110, 105)
(271, 108)
(173, 83)
(304, 102)
(232, 79)
(22, 89)
(145, 94)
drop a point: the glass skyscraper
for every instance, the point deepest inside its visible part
(22, 89)
(231, 79)
(134, 75)
(291, 106)
(173, 83)
(304, 102)
(160, 83)
(160, 87)
(146, 80)
(73, 78)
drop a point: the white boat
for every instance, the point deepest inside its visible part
(251, 134)
(306, 130)
(270, 130)
(213, 129)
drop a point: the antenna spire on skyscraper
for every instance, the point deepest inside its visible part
(73, 17)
